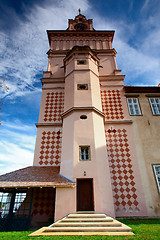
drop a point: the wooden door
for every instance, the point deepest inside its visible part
(85, 195)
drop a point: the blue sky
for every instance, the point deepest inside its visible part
(23, 44)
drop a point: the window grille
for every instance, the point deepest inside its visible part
(155, 105)
(84, 153)
(157, 175)
(5, 201)
(21, 204)
(133, 105)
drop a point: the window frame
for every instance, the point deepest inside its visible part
(133, 106)
(17, 203)
(80, 153)
(156, 175)
(156, 105)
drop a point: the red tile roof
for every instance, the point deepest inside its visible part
(34, 176)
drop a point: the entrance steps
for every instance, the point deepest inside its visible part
(85, 224)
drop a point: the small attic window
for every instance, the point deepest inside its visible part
(82, 86)
(81, 62)
(80, 19)
(83, 117)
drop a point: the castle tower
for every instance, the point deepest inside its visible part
(96, 148)
(83, 108)
(83, 142)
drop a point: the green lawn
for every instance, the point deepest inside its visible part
(143, 229)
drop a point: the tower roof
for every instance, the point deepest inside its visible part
(79, 27)
(80, 23)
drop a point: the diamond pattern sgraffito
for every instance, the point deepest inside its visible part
(123, 184)
(112, 105)
(50, 150)
(54, 106)
(43, 201)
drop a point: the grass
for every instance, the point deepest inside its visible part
(147, 229)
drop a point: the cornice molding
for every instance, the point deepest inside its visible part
(52, 88)
(48, 124)
(52, 53)
(119, 122)
(131, 95)
(152, 95)
(81, 50)
(111, 78)
(73, 109)
(104, 51)
(81, 70)
(87, 33)
(52, 80)
(142, 89)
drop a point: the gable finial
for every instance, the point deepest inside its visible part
(79, 10)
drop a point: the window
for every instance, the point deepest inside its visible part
(83, 117)
(155, 105)
(20, 204)
(20, 207)
(157, 175)
(81, 62)
(5, 200)
(133, 106)
(82, 86)
(84, 153)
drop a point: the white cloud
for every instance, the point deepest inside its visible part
(13, 157)
(16, 146)
(17, 125)
(22, 139)
(24, 49)
(137, 57)
(137, 62)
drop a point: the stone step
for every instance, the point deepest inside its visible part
(86, 215)
(86, 224)
(87, 229)
(86, 212)
(41, 232)
(107, 219)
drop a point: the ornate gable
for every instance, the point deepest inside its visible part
(80, 23)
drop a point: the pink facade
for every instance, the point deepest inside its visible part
(82, 79)
(97, 147)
